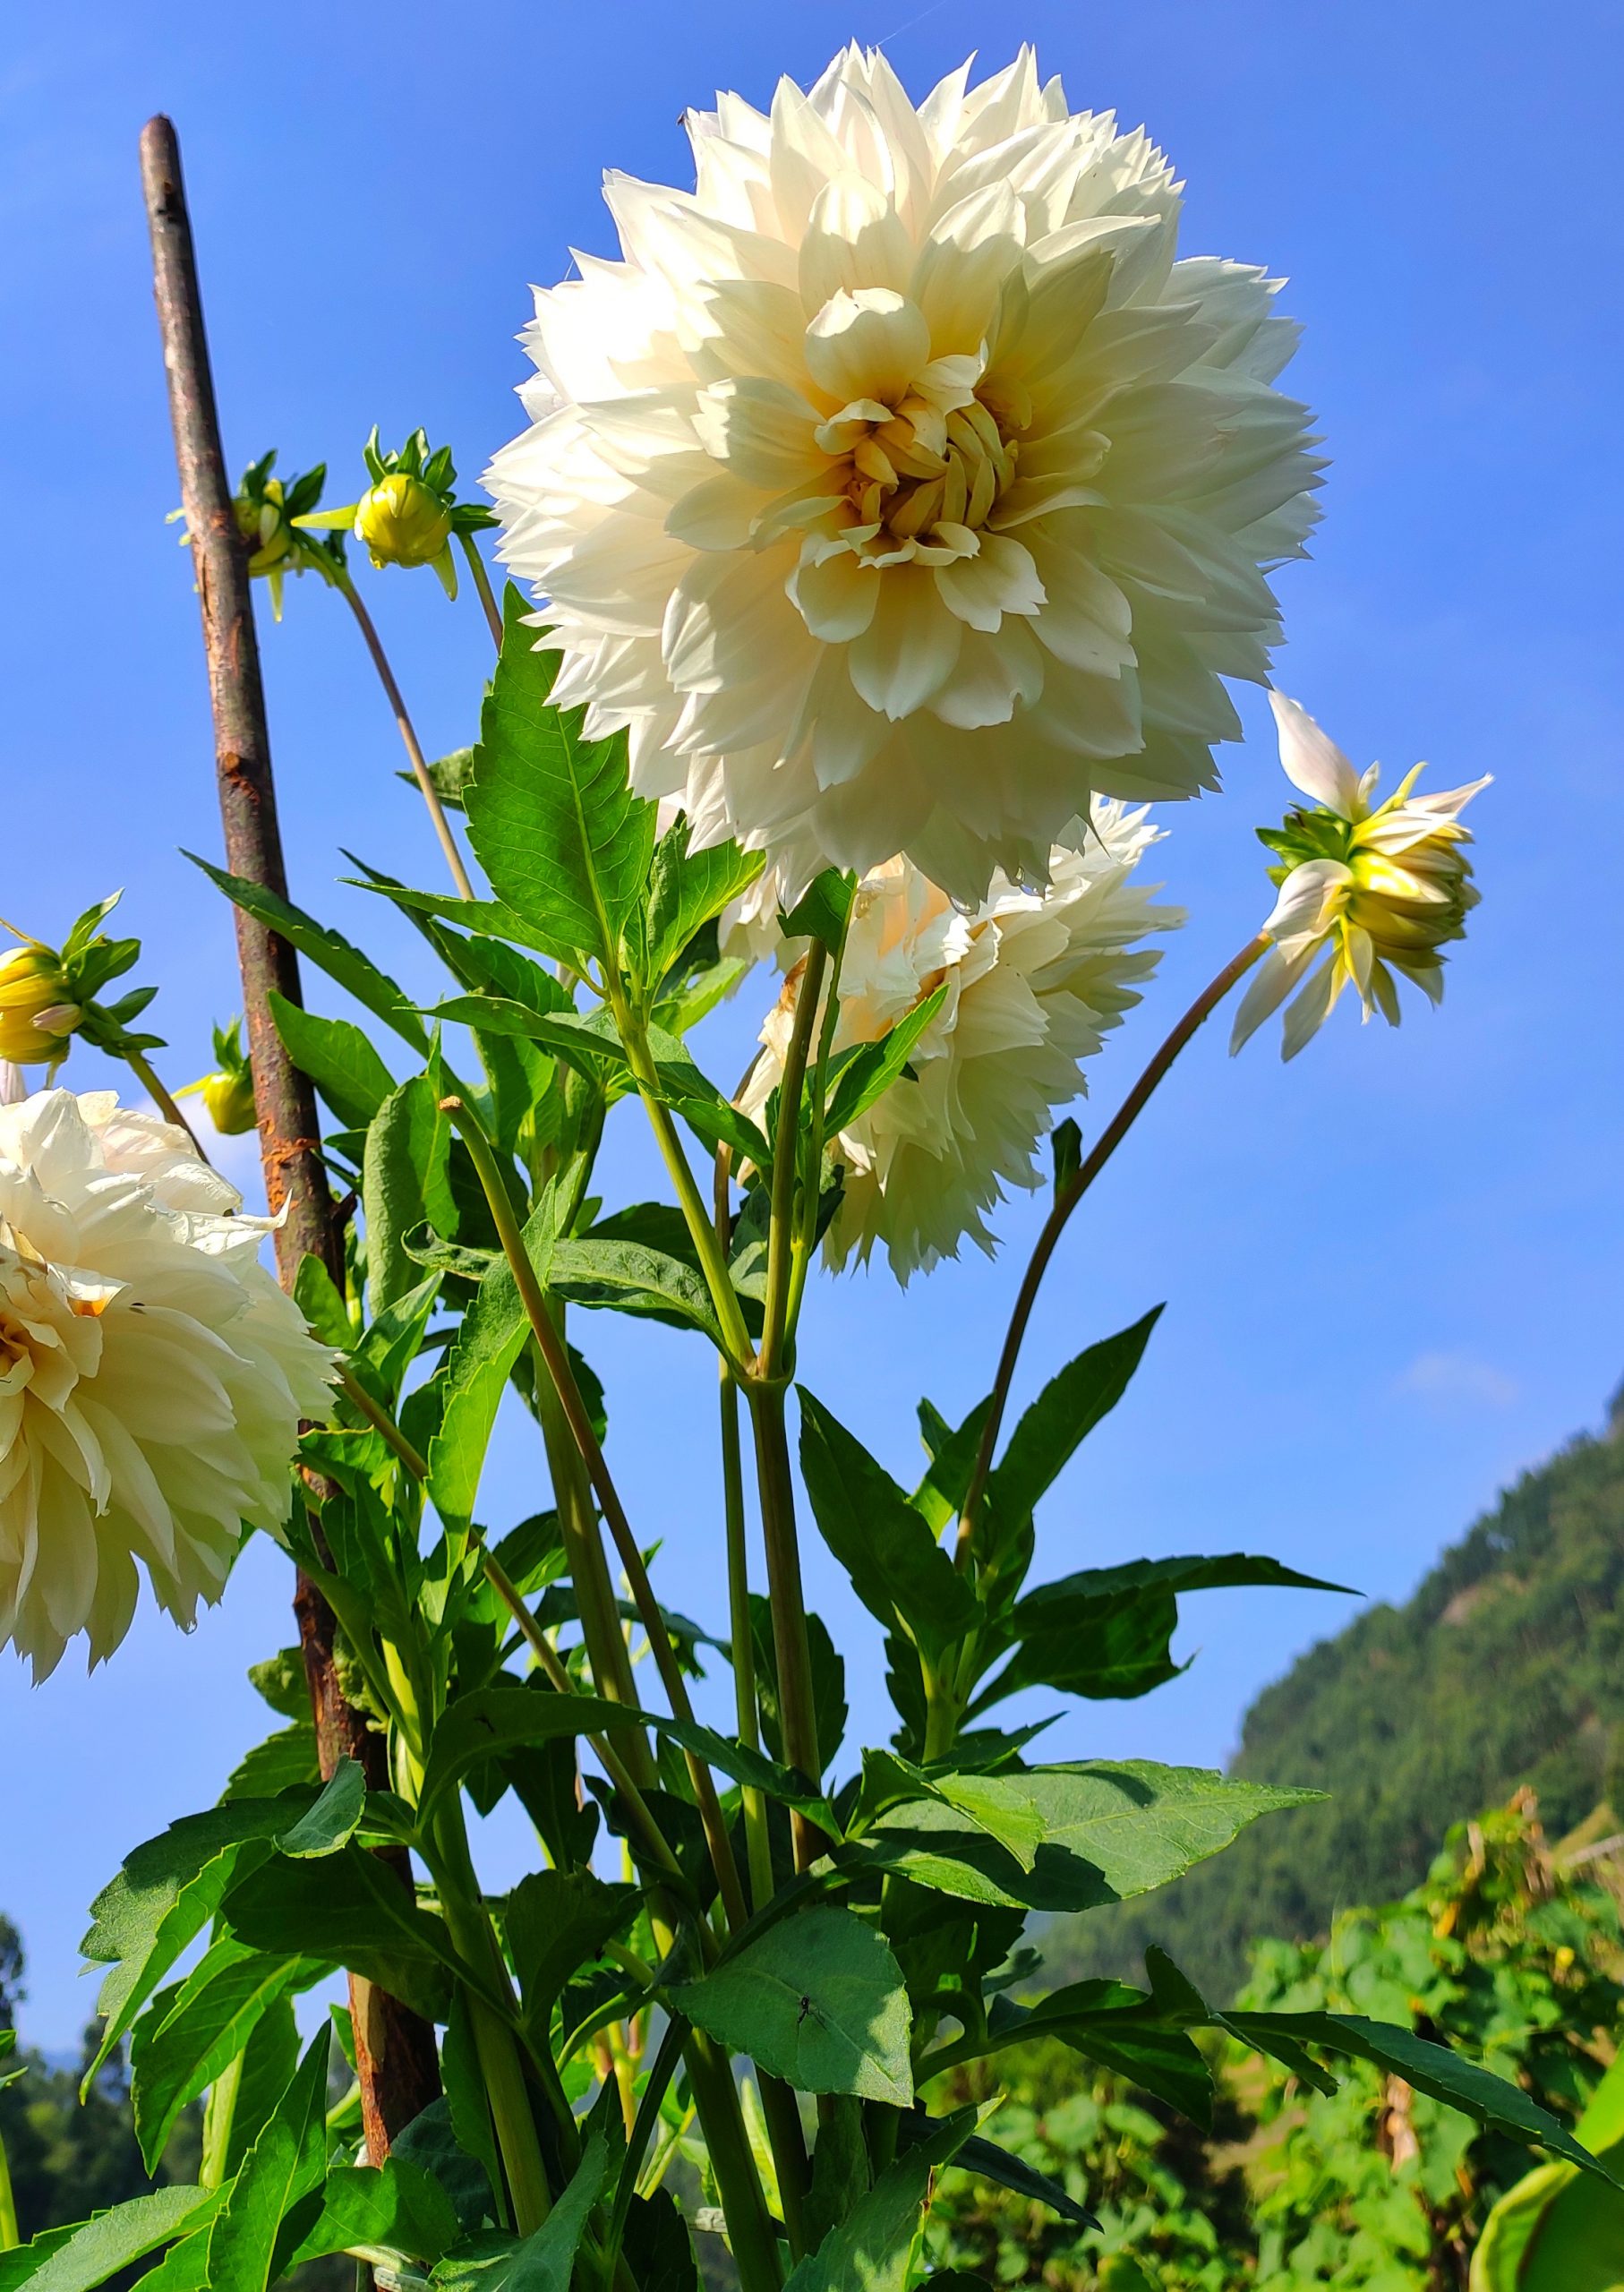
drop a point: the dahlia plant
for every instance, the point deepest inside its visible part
(889, 517)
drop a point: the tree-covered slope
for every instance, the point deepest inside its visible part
(1507, 1667)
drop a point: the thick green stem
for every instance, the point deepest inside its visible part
(1066, 1199)
(481, 581)
(783, 1233)
(9, 2239)
(219, 2111)
(501, 2063)
(408, 736)
(750, 2229)
(713, 1260)
(784, 1590)
(556, 1357)
(757, 1844)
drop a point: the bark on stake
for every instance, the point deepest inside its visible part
(394, 2048)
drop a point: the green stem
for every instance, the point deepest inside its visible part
(608, 1758)
(9, 2237)
(141, 1067)
(556, 1357)
(713, 1261)
(784, 1589)
(1066, 1199)
(481, 581)
(757, 1843)
(806, 1239)
(750, 2229)
(790, 2159)
(409, 735)
(777, 1332)
(502, 2066)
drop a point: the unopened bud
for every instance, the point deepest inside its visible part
(229, 1101)
(403, 521)
(35, 1021)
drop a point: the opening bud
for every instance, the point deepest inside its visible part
(36, 1013)
(403, 521)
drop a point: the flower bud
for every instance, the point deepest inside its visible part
(262, 522)
(229, 1101)
(403, 521)
(35, 1017)
(1374, 889)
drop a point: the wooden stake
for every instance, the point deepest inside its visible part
(394, 2048)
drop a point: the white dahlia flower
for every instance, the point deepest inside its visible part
(897, 488)
(1371, 888)
(152, 1375)
(1035, 983)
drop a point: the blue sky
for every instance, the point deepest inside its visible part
(1392, 1270)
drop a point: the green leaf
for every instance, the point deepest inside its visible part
(821, 910)
(1096, 1832)
(500, 1719)
(78, 2258)
(405, 1180)
(550, 814)
(787, 1784)
(544, 2261)
(316, 1294)
(868, 1072)
(212, 2015)
(337, 1058)
(1558, 2230)
(493, 1333)
(816, 1999)
(357, 973)
(166, 1893)
(828, 1681)
(687, 889)
(556, 1922)
(869, 2251)
(896, 1566)
(634, 1279)
(431, 2142)
(351, 1910)
(286, 2164)
(1064, 1414)
(284, 1761)
(334, 1819)
(380, 2214)
(1109, 1632)
(990, 2162)
(1431, 2069)
(1124, 2037)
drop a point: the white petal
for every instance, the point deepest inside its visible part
(1313, 761)
(869, 344)
(1000, 577)
(836, 599)
(909, 651)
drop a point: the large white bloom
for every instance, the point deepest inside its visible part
(897, 488)
(1367, 889)
(152, 1375)
(1034, 981)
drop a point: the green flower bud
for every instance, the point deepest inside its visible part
(403, 521)
(229, 1101)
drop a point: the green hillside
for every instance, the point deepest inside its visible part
(1507, 1667)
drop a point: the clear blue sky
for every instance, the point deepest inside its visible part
(1393, 1270)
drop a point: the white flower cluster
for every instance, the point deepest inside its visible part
(152, 1375)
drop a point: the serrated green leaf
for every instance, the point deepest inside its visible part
(816, 1999)
(869, 2251)
(323, 1828)
(1431, 2069)
(213, 2014)
(632, 1278)
(286, 2164)
(550, 814)
(1064, 1414)
(357, 973)
(868, 1072)
(406, 1181)
(351, 1910)
(284, 1761)
(896, 1566)
(500, 1719)
(556, 1922)
(687, 889)
(1105, 1831)
(82, 2257)
(337, 1058)
(494, 1330)
(380, 2214)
